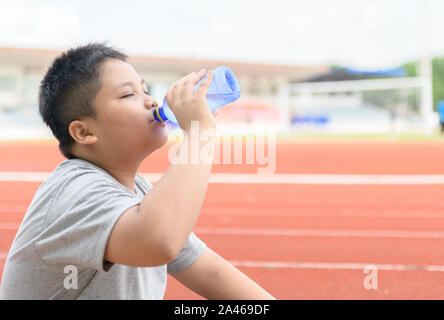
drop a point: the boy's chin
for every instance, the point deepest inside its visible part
(157, 143)
(163, 141)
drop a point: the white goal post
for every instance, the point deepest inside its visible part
(421, 83)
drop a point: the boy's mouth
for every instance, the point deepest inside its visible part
(160, 124)
(156, 123)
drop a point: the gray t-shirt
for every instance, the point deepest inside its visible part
(62, 239)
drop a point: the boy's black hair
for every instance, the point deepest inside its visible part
(68, 89)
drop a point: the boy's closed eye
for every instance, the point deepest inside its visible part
(129, 83)
(132, 94)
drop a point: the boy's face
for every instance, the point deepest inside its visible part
(125, 122)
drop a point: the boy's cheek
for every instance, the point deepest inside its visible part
(126, 124)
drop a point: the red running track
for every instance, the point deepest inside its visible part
(331, 228)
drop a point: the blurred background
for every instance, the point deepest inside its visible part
(343, 67)
(353, 90)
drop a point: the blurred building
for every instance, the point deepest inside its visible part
(264, 88)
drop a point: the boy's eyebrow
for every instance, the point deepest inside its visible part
(128, 83)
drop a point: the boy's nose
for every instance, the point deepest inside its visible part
(151, 104)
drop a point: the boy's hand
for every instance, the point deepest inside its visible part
(189, 106)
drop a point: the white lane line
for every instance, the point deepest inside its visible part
(24, 176)
(299, 232)
(322, 179)
(9, 226)
(14, 208)
(321, 233)
(393, 214)
(327, 214)
(322, 265)
(336, 265)
(318, 179)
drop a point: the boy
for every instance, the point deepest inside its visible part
(94, 217)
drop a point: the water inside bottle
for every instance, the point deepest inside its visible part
(218, 100)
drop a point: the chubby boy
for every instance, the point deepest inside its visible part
(95, 214)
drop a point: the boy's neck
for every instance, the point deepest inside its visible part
(125, 177)
(124, 173)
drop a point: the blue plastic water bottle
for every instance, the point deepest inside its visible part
(223, 89)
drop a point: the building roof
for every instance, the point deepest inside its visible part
(42, 58)
(342, 74)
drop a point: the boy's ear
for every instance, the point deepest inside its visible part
(80, 131)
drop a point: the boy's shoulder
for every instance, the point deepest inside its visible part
(73, 174)
(80, 179)
(77, 166)
(77, 185)
(82, 172)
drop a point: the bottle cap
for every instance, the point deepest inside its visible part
(159, 115)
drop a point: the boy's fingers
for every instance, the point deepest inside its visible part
(197, 76)
(171, 93)
(181, 84)
(202, 90)
(188, 77)
(191, 81)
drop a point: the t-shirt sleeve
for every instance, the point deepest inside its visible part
(191, 251)
(80, 220)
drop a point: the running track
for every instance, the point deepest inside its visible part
(299, 238)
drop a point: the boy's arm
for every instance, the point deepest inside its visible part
(154, 232)
(214, 278)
